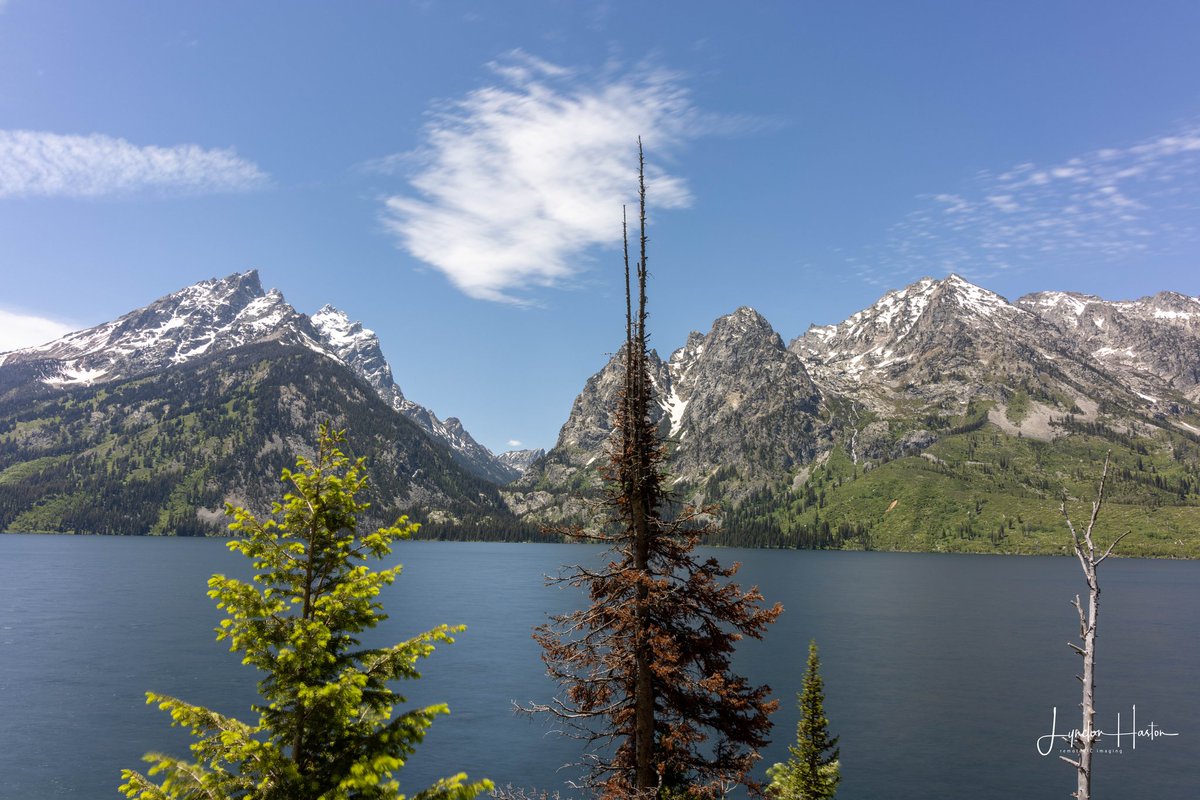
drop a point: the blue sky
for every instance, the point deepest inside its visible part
(452, 173)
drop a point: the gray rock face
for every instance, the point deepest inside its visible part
(1152, 343)
(217, 315)
(738, 397)
(734, 398)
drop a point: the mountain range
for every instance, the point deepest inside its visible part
(942, 417)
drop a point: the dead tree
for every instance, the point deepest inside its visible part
(1083, 740)
(645, 667)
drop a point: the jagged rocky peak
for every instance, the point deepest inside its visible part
(1070, 309)
(1175, 306)
(357, 346)
(971, 298)
(734, 397)
(1152, 344)
(455, 428)
(682, 358)
(1065, 309)
(736, 391)
(897, 312)
(205, 318)
(742, 321)
(734, 336)
(735, 341)
(590, 422)
(234, 309)
(959, 306)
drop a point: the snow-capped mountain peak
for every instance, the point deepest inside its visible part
(208, 317)
(221, 314)
(339, 330)
(1069, 306)
(881, 342)
(975, 299)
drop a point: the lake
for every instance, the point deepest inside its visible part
(941, 671)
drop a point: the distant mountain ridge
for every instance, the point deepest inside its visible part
(1151, 343)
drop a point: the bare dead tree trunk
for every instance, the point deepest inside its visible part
(1083, 740)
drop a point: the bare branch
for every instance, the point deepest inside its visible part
(1115, 542)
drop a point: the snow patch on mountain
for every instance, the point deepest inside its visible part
(67, 376)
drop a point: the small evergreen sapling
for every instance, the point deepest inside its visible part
(812, 772)
(325, 730)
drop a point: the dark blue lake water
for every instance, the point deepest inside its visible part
(941, 671)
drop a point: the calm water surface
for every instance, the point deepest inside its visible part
(941, 671)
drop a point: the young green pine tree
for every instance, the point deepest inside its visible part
(812, 773)
(325, 729)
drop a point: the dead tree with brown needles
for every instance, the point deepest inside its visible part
(645, 666)
(1083, 740)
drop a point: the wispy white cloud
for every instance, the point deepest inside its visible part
(515, 443)
(1108, 205)
(34, 163)
(19, 330)
(518, 179)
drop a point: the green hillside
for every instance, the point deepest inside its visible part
(983, 491)
(161, 454)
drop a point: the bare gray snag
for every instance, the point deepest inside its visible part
(1083, 740)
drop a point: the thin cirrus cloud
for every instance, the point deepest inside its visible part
(1111, 205)
(37, 163)
(518, 179)
(19, 330)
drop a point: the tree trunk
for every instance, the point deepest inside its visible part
(1087, 705)
(641, 508)
(1083, 742)
(645, 777)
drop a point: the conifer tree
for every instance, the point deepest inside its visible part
(646, 665)
(812, 772)
(325, 727)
